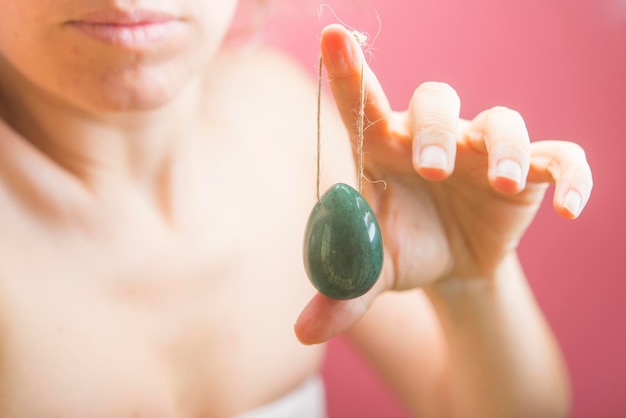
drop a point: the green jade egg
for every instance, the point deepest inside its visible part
(343, 247)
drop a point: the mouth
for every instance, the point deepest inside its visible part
(135, 30)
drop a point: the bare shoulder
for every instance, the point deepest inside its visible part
(270, 65)
(281, 94)
(269, 75)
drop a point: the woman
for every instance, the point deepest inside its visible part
(154, 190)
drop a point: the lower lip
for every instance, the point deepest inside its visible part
(139, 35)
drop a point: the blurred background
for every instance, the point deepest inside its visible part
(562, 64)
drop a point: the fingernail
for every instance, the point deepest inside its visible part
(573, 202)
(509, 169)
(433, 156)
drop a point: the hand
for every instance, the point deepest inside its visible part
(459, 194)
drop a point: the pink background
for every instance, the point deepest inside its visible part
(562, 64)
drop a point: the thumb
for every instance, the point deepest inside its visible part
(324, 318)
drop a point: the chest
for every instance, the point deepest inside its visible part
(158, 324)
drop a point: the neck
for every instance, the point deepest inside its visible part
(101, 149)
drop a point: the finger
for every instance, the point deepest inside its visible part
(324, 318)
(565, 164)
(345, 64)
(434, 116)
(502, 133)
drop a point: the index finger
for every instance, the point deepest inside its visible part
(347, 74)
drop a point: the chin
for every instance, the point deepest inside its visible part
(138, 90)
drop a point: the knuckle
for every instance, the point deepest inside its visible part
(575, 150)
(507, 125)
(435, 106)
(568, 150)
(512, 148)
(435, 130)
(437, 88)
(578, 156)
(506, 113)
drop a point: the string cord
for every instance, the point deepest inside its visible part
(360, 121)
(319, 127)
(360, 128)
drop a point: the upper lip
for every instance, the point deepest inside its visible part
(124, 17)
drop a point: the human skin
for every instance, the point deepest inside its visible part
(153, 198)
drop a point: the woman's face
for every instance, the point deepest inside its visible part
(111, 55)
